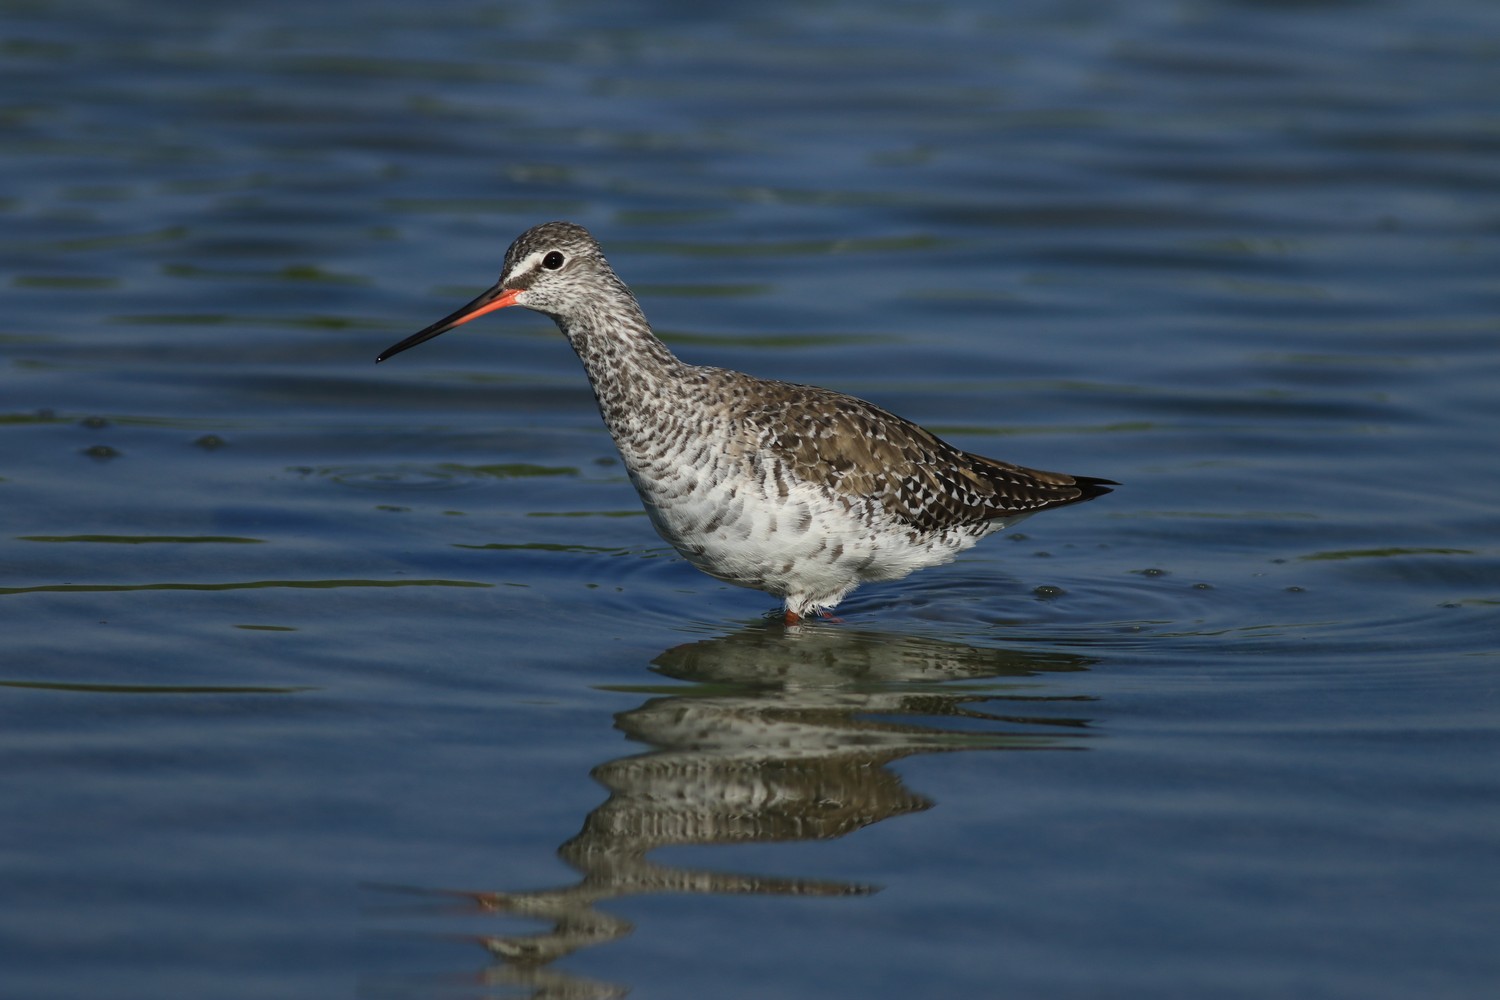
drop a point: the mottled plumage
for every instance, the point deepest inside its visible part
(795, 490)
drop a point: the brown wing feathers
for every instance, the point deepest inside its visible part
(863, 451)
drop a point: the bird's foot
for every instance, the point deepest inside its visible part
(792, 618)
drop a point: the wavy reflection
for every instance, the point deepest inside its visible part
(784, 735)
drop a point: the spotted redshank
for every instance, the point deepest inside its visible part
(802, 492)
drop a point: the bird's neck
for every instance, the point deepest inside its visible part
(632, 372)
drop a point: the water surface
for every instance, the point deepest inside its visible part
(321, 678)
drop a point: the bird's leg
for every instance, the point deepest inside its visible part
(792, 618)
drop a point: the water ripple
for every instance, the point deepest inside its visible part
(426, 478)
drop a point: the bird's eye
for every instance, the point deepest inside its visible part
(553, 261)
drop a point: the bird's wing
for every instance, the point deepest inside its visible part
(864, 452)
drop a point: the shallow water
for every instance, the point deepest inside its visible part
(323, 678)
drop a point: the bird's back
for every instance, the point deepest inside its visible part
(855, 449)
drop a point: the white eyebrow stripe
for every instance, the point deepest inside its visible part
(527, 264)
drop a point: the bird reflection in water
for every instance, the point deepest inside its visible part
(785, 734)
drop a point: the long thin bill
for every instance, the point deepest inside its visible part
(495, 298)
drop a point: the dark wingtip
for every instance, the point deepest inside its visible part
(1093, 487)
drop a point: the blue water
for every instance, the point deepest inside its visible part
(322, 678)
